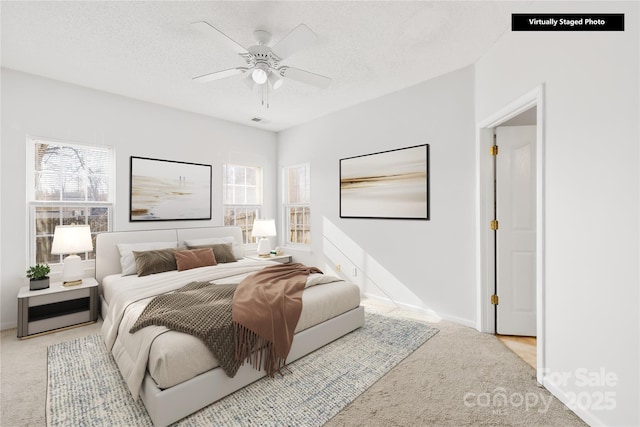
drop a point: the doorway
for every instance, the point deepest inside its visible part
(525, 111)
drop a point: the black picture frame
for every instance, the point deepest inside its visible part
(168, 190)
(392, 184)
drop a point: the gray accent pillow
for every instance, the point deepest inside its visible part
(223, 252)
(156, 261)
(128, 262)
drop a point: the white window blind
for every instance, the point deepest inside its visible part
(70, 184)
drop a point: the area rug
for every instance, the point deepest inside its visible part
(85, 388)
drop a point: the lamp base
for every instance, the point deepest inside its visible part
(264, 248)
(72, 270)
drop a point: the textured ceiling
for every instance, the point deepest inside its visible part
(149, 51)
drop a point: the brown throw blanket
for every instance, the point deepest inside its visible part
(254, 320)
(199, 309)
(266, 310)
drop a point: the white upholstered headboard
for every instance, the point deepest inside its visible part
(108, 255)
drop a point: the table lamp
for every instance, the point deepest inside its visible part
(71, 239)
(264, 228)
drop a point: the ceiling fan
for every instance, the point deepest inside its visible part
(263, 66)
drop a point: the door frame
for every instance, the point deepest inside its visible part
(485, 247)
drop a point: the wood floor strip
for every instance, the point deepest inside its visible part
(524, 347)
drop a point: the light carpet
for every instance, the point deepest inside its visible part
(85, 387)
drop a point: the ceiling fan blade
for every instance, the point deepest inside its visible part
(295, 40)
(209, 29)
(219, 75)
(306, 77)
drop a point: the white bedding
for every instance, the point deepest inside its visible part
(172, 357)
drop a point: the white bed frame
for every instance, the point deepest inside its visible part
(172, 404)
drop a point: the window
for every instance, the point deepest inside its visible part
(242, 197)
(297, 205)
(69, 184)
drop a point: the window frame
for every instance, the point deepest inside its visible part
(249, 240)
(33, 204)
(286, 205)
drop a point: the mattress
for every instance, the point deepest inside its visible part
(175, 357)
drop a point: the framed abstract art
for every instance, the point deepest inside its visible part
(167, 190)
(390, 184)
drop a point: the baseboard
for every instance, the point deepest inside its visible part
(9, 325)
(584, 414)
(422, 310)
(459, 320)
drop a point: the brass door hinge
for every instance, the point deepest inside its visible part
(494, 299)
(493, 150)
(494, 224)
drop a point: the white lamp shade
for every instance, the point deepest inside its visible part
(71, 239)
(264, 228)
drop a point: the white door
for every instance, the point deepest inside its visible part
(516, 235)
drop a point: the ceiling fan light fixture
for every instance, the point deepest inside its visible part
(259, 74)
(276, 81)
(248, 80)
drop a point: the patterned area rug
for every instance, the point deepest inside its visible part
(85, 387)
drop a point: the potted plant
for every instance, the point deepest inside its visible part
(38, 276)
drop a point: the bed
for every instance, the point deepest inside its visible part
(174, 373)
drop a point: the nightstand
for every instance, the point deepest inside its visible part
(56, 307)
(284, 259)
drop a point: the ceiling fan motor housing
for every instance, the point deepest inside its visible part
(262, 54)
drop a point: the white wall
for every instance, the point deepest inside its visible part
(591, 168)
(591, 204)
(40, 107)
(424, 264)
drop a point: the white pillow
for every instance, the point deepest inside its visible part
(128, 262)
(238, 250)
